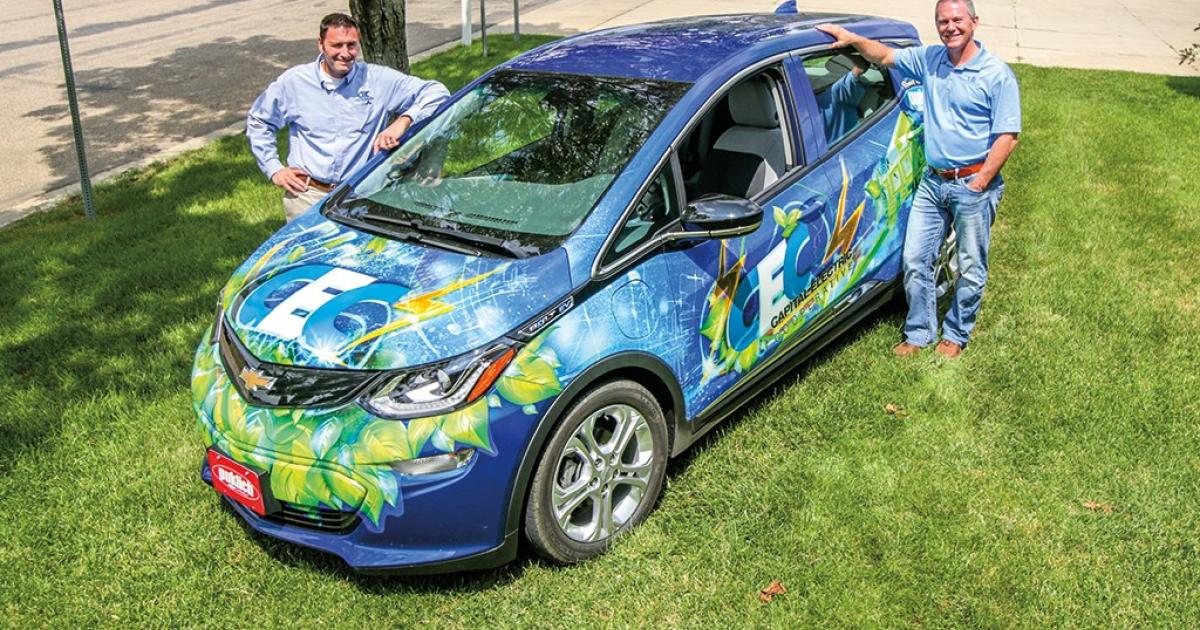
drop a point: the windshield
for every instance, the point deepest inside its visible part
(519, 160)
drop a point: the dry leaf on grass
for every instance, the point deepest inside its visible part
(892, 409)
(769, 593)
(1098, 507)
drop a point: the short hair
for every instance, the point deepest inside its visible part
(337, 19)
(970, 6)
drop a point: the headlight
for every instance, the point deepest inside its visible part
(439, 389)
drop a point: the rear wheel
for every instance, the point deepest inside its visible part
(600, 473)
(945, 269)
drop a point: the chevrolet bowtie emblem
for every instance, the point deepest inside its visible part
(254, 380)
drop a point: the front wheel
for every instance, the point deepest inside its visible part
(600, 473)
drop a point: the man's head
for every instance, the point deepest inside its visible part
(956, 22)
(339, 43)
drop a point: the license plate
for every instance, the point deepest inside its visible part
(240, 483)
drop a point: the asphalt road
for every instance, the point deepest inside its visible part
(153, 74)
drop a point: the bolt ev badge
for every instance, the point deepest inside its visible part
(253, 380)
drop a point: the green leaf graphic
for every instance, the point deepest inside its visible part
(325, 437)
(532, 377)
(469, 426)
(344, 490)
(318, 489)
(383, 442)
(372, 503)
(419, 431)
(289, 483)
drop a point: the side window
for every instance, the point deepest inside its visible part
(740, 146)
(653, 211)
(848, 90)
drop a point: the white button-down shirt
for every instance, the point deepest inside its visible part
(331, 126)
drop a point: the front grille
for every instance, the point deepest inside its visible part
(320, 519)
(290, 386)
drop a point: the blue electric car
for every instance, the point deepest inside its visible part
(582, 263)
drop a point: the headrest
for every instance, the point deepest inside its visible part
(752, 105)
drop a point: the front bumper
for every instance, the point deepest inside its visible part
(379, 554)
(448, 521)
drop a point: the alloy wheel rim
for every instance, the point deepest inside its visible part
(945, 271)
(602, 473)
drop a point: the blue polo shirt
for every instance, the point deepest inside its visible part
(333, 123)
(965, 107)
(839, 106)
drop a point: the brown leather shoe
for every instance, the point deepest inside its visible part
(905, 350)
(948, 349)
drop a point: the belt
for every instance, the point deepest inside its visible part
(320, 185)
(960, 172)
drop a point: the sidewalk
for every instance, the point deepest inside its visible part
(1134, 35)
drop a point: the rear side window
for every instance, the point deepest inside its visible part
(848, 89)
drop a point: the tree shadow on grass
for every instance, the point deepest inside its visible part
(114, 307)
(1188, 86)
(129, 113)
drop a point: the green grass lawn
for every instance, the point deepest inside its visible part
(1082, 387)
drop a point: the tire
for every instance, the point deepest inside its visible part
(945, 268)
(586, 491)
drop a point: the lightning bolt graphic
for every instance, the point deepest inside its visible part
(843, 236)
(418, 309)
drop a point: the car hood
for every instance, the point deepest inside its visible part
(320, 294)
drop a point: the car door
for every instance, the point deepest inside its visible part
(870, 150)
(741, 302)
(744, 298)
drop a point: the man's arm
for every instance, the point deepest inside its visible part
(389, 138)
(849, 89)
(875, 52)
(1006, 126)
(416, 100)
(996, 157)
(262, 122)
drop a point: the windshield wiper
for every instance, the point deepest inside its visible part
(509, 247)
(368, 222)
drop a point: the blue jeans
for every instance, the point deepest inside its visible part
(939, 204)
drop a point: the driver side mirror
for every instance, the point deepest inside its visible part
(719, 216)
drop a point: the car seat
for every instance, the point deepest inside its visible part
(748, 156)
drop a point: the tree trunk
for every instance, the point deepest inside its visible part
(381, 29)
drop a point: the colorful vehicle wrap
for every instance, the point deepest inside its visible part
(320, 297)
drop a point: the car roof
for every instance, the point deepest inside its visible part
(686, 49)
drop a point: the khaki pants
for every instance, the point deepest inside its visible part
(296, 205)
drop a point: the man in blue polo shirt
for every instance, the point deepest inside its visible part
(972, 119)
(336, 110)
(839, 101)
